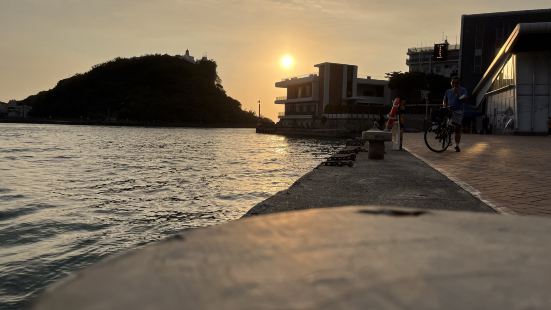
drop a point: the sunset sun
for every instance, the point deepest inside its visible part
(287, 62)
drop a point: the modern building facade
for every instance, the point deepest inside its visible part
(482, 36)
(335, 92)
(425, 60)
(515, 90)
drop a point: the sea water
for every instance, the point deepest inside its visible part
(72, 195)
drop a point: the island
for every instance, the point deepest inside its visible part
(146, 90)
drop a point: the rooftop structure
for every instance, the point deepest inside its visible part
(441, 59)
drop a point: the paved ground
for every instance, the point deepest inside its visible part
(399, 180)
(512, 173)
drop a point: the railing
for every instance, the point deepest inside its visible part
(430, 48)
(293, 100)
(299, 77)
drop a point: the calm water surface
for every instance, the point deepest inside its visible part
(71, 195)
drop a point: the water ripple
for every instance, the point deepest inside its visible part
(71, 195)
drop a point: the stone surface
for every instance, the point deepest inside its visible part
(338, 258)
(378, 135)
(376, 149)
(400, 180)
(513, 173)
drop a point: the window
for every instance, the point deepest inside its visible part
(506, 76)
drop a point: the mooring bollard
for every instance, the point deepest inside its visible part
(396, 136)
(376, 140)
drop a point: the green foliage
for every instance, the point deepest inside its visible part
(409, 85)
(151, 88)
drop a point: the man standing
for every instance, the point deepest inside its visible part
(453, 99)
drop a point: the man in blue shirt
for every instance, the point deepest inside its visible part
(454, 99)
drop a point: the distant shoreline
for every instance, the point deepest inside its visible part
(126, 123)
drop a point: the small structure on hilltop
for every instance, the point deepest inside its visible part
(442, 59)
(187, 57)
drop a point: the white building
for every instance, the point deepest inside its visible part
(442, 61)
(334, 93)
(14, 110)
(514, 92)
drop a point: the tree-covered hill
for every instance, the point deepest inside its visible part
(153, 88)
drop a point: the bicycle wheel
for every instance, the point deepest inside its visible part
(437, 138)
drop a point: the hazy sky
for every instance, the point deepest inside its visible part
(43, 41)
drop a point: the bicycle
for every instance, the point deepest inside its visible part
(438, 135)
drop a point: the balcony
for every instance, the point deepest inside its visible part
(297, 80)
(284, 100)
(300, 77)
(280, 99)
(295, 115)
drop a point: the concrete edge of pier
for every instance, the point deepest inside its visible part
(400, 180)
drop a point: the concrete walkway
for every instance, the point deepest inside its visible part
(333, 258)
(512, 173)
(399, 180)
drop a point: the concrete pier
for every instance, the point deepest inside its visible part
(401, 180)
(337, 258)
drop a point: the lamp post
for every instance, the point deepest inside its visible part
(259, 110)
(425, 94)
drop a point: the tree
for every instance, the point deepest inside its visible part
(409, 85)
(150, 89)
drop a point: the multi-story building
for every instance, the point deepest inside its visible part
(335, 92)
(13, 110)
(515, 90)
(441, 59)
(482, 36)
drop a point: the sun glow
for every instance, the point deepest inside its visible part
(287, 62)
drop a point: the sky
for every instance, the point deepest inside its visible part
(44, 41)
